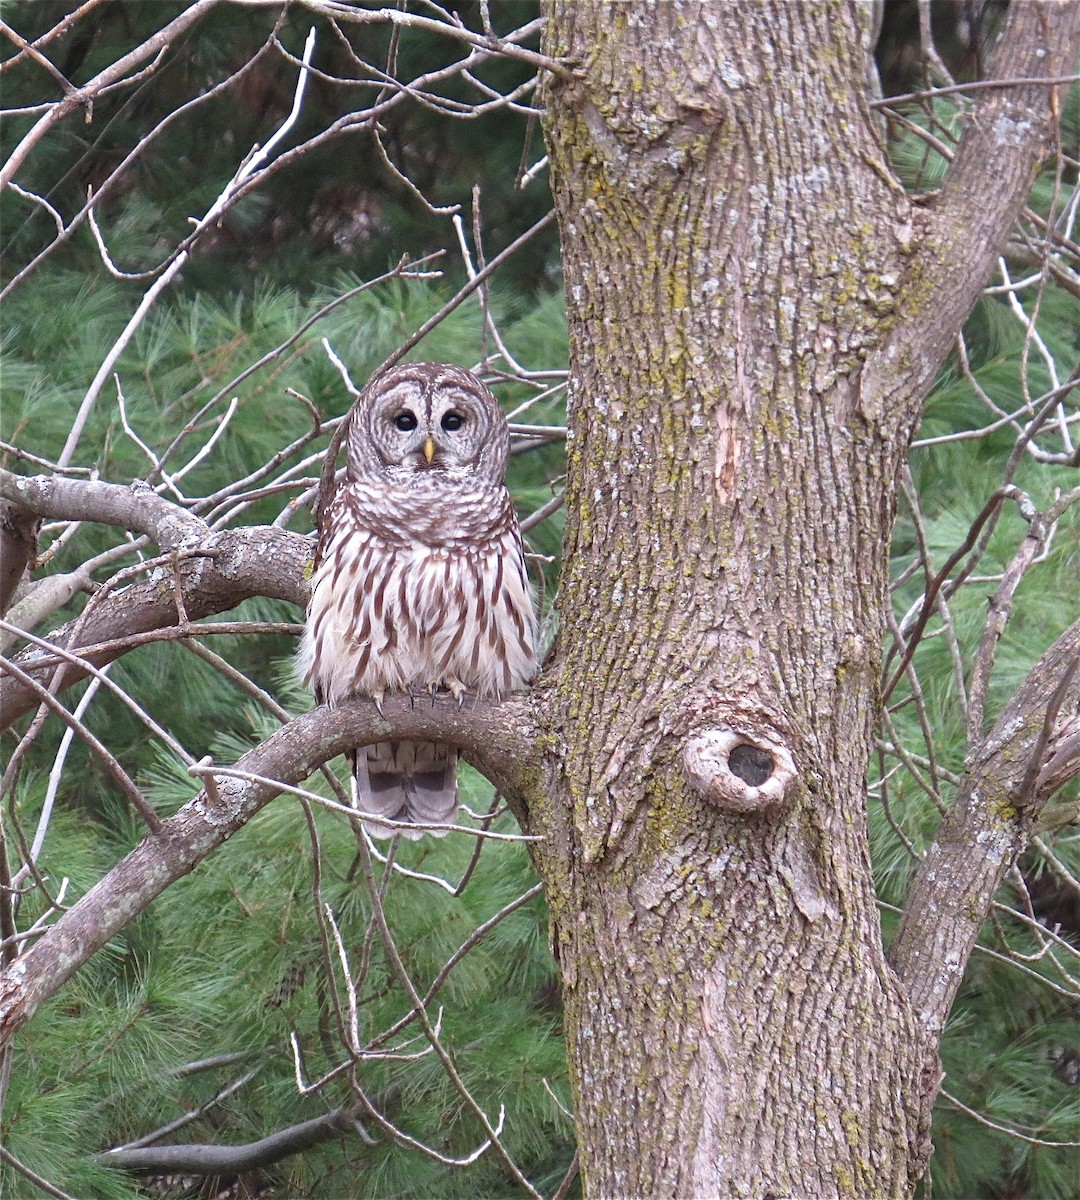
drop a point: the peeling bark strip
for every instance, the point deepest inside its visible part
(751, 341)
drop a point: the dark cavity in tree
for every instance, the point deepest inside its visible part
(752, 764)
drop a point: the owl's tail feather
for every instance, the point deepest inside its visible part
(407, 782)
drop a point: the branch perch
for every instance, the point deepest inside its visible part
(497, 739)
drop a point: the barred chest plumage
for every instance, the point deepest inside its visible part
(421, 583)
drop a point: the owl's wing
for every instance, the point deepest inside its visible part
(330, 523)
(329, 657)
(514, 604)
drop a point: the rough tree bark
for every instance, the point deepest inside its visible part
(747, 288)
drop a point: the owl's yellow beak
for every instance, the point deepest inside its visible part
(429, 450)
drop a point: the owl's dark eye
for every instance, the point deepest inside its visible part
(452, 422)
(405, 421)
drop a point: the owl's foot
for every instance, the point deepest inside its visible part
(457, 689)
(378, 698)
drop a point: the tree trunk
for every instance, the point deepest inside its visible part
(734, 247)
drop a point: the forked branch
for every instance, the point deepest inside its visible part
(1006, 134)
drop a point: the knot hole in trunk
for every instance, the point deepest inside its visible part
(738, 771)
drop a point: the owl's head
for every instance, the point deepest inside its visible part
(428, 417)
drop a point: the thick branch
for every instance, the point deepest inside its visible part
(200, 1159)
(1007, 133)
(1030, 752)
(137, 507)
(230, 567)
(497, 739)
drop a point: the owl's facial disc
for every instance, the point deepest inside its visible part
(431, 417)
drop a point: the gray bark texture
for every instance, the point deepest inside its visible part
(748, 290)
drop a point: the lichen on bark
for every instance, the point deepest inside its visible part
(728, 271)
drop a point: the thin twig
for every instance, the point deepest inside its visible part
(1014, 1133)
(37, 1180)
(112, 765)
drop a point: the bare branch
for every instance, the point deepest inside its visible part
(58, 30)
(497, 739)
(991, 820)
(45, 816)
(203, 1159)
(1001, 605)
(486, 41)
(229, 567)
(101, 676)
(137, 507)
(106, 186)
(127, 785)
(1013, 1133)
(47, 595)
(110, 75)
(37, 1180)
(192, 1114)
(988, 510)
(399, 969)
(247, 169)
(976, 85)
(1004, 137)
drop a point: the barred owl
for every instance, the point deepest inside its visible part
(419, 578)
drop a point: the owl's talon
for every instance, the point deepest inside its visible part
(378, 698)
